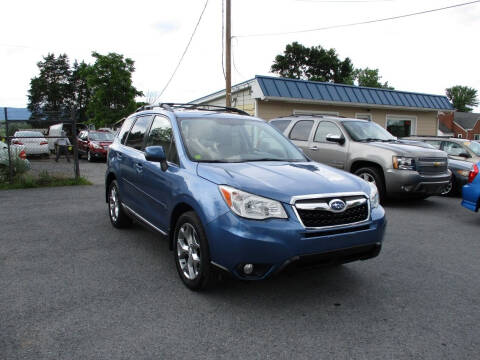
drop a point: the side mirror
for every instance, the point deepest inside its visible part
(465, 155)
(156, 154)
(336, 138)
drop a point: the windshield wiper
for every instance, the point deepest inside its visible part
(369, 140)
(267, 159)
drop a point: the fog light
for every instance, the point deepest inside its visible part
(248, 269)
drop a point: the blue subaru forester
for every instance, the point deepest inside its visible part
(231, 193)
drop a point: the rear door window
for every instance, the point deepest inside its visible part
(301, 130)
(137, 134)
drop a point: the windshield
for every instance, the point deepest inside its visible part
(101, 136)
(367, 131)
(236, 140)
(474, 146)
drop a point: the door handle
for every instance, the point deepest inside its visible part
(139, 167)
(314, 148)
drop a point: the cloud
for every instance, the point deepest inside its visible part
(165, 26)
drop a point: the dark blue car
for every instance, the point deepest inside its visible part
(231, 193)
(471, 191)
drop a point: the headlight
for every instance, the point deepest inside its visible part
(251, 206)
(463, 172)
(403, 163)
(374, 198)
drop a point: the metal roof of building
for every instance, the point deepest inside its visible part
(282, 88)
(466, 120)
(15, 114)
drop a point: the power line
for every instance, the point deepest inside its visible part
(344, 1)
(184, 52)
(357, 23)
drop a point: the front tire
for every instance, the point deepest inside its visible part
(450, 188)
(191, 253)
(89, 156)
(371, 174)
(118, 217)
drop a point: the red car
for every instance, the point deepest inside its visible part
(94, 144)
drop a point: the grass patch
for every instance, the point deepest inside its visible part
(44, 179)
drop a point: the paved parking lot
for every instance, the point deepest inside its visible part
(72, 287)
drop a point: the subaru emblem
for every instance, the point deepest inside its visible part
(337, 205)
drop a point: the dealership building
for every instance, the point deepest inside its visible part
(402, 113)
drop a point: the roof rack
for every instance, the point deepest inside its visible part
(174, 106)
(312, 114)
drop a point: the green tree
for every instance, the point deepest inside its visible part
(112, 92)
(314, 63)
(463, 98)
(79, 90)
(50, 92)
(370, 78)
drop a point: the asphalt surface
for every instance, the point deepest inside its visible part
(73, 287)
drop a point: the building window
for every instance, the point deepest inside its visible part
(459, 136)
(401, 126)
(476, 137)
(364, 116)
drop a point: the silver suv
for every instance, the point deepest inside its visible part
(369, 151)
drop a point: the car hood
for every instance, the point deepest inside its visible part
(409, 150)
(282, 180)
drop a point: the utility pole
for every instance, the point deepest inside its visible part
(228, 54)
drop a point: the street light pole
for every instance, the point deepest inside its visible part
(228, 53)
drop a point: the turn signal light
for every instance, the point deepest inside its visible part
(22, 155)
(473, 173)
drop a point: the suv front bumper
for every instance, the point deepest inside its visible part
(412, 182)
(273, 244)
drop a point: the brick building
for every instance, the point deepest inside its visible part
(460, 124)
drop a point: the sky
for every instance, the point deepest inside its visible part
(425, 53)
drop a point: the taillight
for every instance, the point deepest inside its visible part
(473, 173)
(44, 143)
(17, 142)
(22, 155)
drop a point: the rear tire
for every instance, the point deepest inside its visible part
(118, 217)
(191, 253)
(372, 174)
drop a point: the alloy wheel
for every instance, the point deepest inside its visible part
(114, 204)
(367, 177)
(448, 188)
(188, 251)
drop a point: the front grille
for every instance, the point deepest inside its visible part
(432, 165)
(322, 218)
